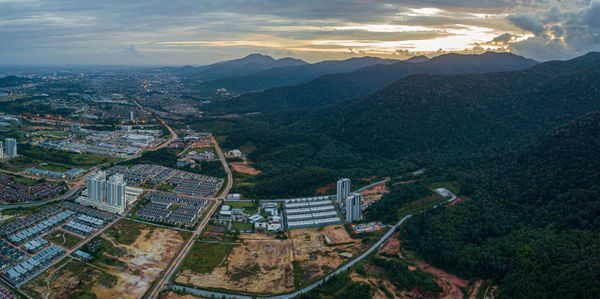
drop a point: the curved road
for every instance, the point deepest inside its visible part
(210, 294)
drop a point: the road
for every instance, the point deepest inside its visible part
(210, 294)
(171, 131)
(170, 271)
(225, 166)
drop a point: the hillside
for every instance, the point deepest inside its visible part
(334, 88)
(291, 75)
(460, 112)
(535, 229)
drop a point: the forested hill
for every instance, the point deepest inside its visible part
(334, 88)
(533, 225)
(290, 75)
(463, 112)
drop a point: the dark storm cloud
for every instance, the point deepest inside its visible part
(111, 31)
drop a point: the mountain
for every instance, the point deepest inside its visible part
(250, 64)
(445, 112)
(417, 59)
(334, 88)
(291, 75)
(534, 226)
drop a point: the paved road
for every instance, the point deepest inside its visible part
(371, 185)
(225, 166)
(170, 271)
(171, 131)
(210, 294)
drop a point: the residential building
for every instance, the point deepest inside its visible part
(1, 150)
(11, 147)
(343, 190)
(353, 207)
(106, 194)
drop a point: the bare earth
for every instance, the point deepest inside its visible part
(243, 168)
(171, 295)
(263, 264)
(146, 257)
(374, 193)
(450, 283)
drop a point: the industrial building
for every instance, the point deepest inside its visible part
(343, 190)
(353, 207)
(310, 212)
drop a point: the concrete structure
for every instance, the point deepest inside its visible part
(137, 139)
(11, 147)
(235, 153)
(107, 195)
(1, 150)
(352, 206)
(343, 190)
(131, 116)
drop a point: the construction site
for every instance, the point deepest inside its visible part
(265, 264)
(124, 261)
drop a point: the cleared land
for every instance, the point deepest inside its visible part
(128, 258)
(375, 193)
(243, 168)
(263, 264)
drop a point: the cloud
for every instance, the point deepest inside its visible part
(562, 30)
(203, 31)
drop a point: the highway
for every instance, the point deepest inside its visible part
(171, 131)
(170, 271)
(210, 294)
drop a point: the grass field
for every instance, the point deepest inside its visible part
(34, 155)
(204, 257)
(241, 226)
(25, 181)
(126, 231)
(53, 167)
(63, 239)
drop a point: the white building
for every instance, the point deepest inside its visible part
(343, 190)
(1, 151)
(353, 204)
(11, 147)
(235, 153)
(106, 194)
(137, 139)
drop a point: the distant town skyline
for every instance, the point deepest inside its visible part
(202, 32)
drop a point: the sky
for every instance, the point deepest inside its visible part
(179, 32)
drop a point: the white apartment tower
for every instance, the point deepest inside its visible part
(343, 190)
(11, 147)
(95, 184)
(106, 194)
(115, 191)
(353, 207)
(131, 116)
(1, 151)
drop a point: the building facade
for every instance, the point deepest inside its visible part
(353, 207)
(11, 147)
(106, 194)
(343, 190)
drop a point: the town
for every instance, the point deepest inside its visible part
(82, 183)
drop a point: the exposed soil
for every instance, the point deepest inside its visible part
(243, 168)
(463, 198)
(374, 193)
(392, 245)
(263, 264)
(145, 258)
(450, 283)
(172, 295)
(327, 189)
